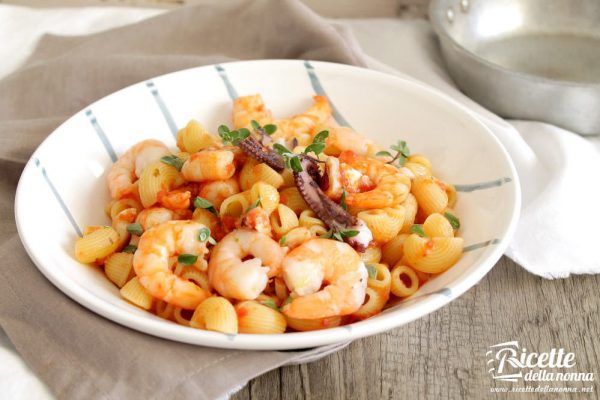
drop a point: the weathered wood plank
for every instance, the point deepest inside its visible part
(442, 356)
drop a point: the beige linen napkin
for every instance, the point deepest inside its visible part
(75, 352)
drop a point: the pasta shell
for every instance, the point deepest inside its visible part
(135, 293)
(254, 317)
(393, 250)
(401, 274)
(119, 268)
(433, 255)
(436, 225)
(215, 314)
(97, 245)
(431, 197)
(283, 219)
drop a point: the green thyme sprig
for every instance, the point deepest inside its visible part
(269, 129)
(200, 202)
(418, 229)
(340, 235)
(453, 219)
(233, 137)
(173, 161)
(292, 160)
(402, 153)
(372, 270)
(204, 235)
(343, 200)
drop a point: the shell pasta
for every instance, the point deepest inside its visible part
(272, 225)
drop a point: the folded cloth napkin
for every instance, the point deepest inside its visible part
(75, 352)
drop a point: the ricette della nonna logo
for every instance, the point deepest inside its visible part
(512, 363)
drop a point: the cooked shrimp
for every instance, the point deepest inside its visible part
(343, 138)
(311, 264)
(217, 191)
(125, 171)
(120, 223)
(178, 199)
(209, 165)
(302, 126)
(390, 187)
(248, 108)
(235, 276)
(257, 219)
(151, 262)
(151, 217)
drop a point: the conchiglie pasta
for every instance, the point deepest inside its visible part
(393, 250)
(422, 160)
(374, 303)
(430, 196)
(91, 228)
(432, 255)
(288, 178)
(246, 176)
(308, 218)
(254, 317)
(283, 219)
(295, 237)
(97, 245)
(117, 206)
(292, 198)
(372, 255)
(305, 325)
(410, 207)
(266, 194)
(164, 309)
(412, 170)
(215, 314)
(404, 281)
(384, 224)
(135, 293)
(436, 225)
(381, 281)
(194, 138)
(119, 268)
(157, 177)
(318, 230)
(197, 276)
(182, 316)
(235, 206)
(451, 193)
(263, 173)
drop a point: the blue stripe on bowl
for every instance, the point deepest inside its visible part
(482, 185)
(61, 202)
(480, 245)
(318, 88)
(100, 132)
(163, 107)
(230, 89)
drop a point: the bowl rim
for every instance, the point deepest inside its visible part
(435, 12)
(293, 340)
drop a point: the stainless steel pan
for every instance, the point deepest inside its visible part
(528, 59)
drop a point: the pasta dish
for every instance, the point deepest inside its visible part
(272, 225)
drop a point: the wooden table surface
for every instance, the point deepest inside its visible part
(443, 356)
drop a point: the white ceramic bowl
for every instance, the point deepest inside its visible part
(63, 189)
